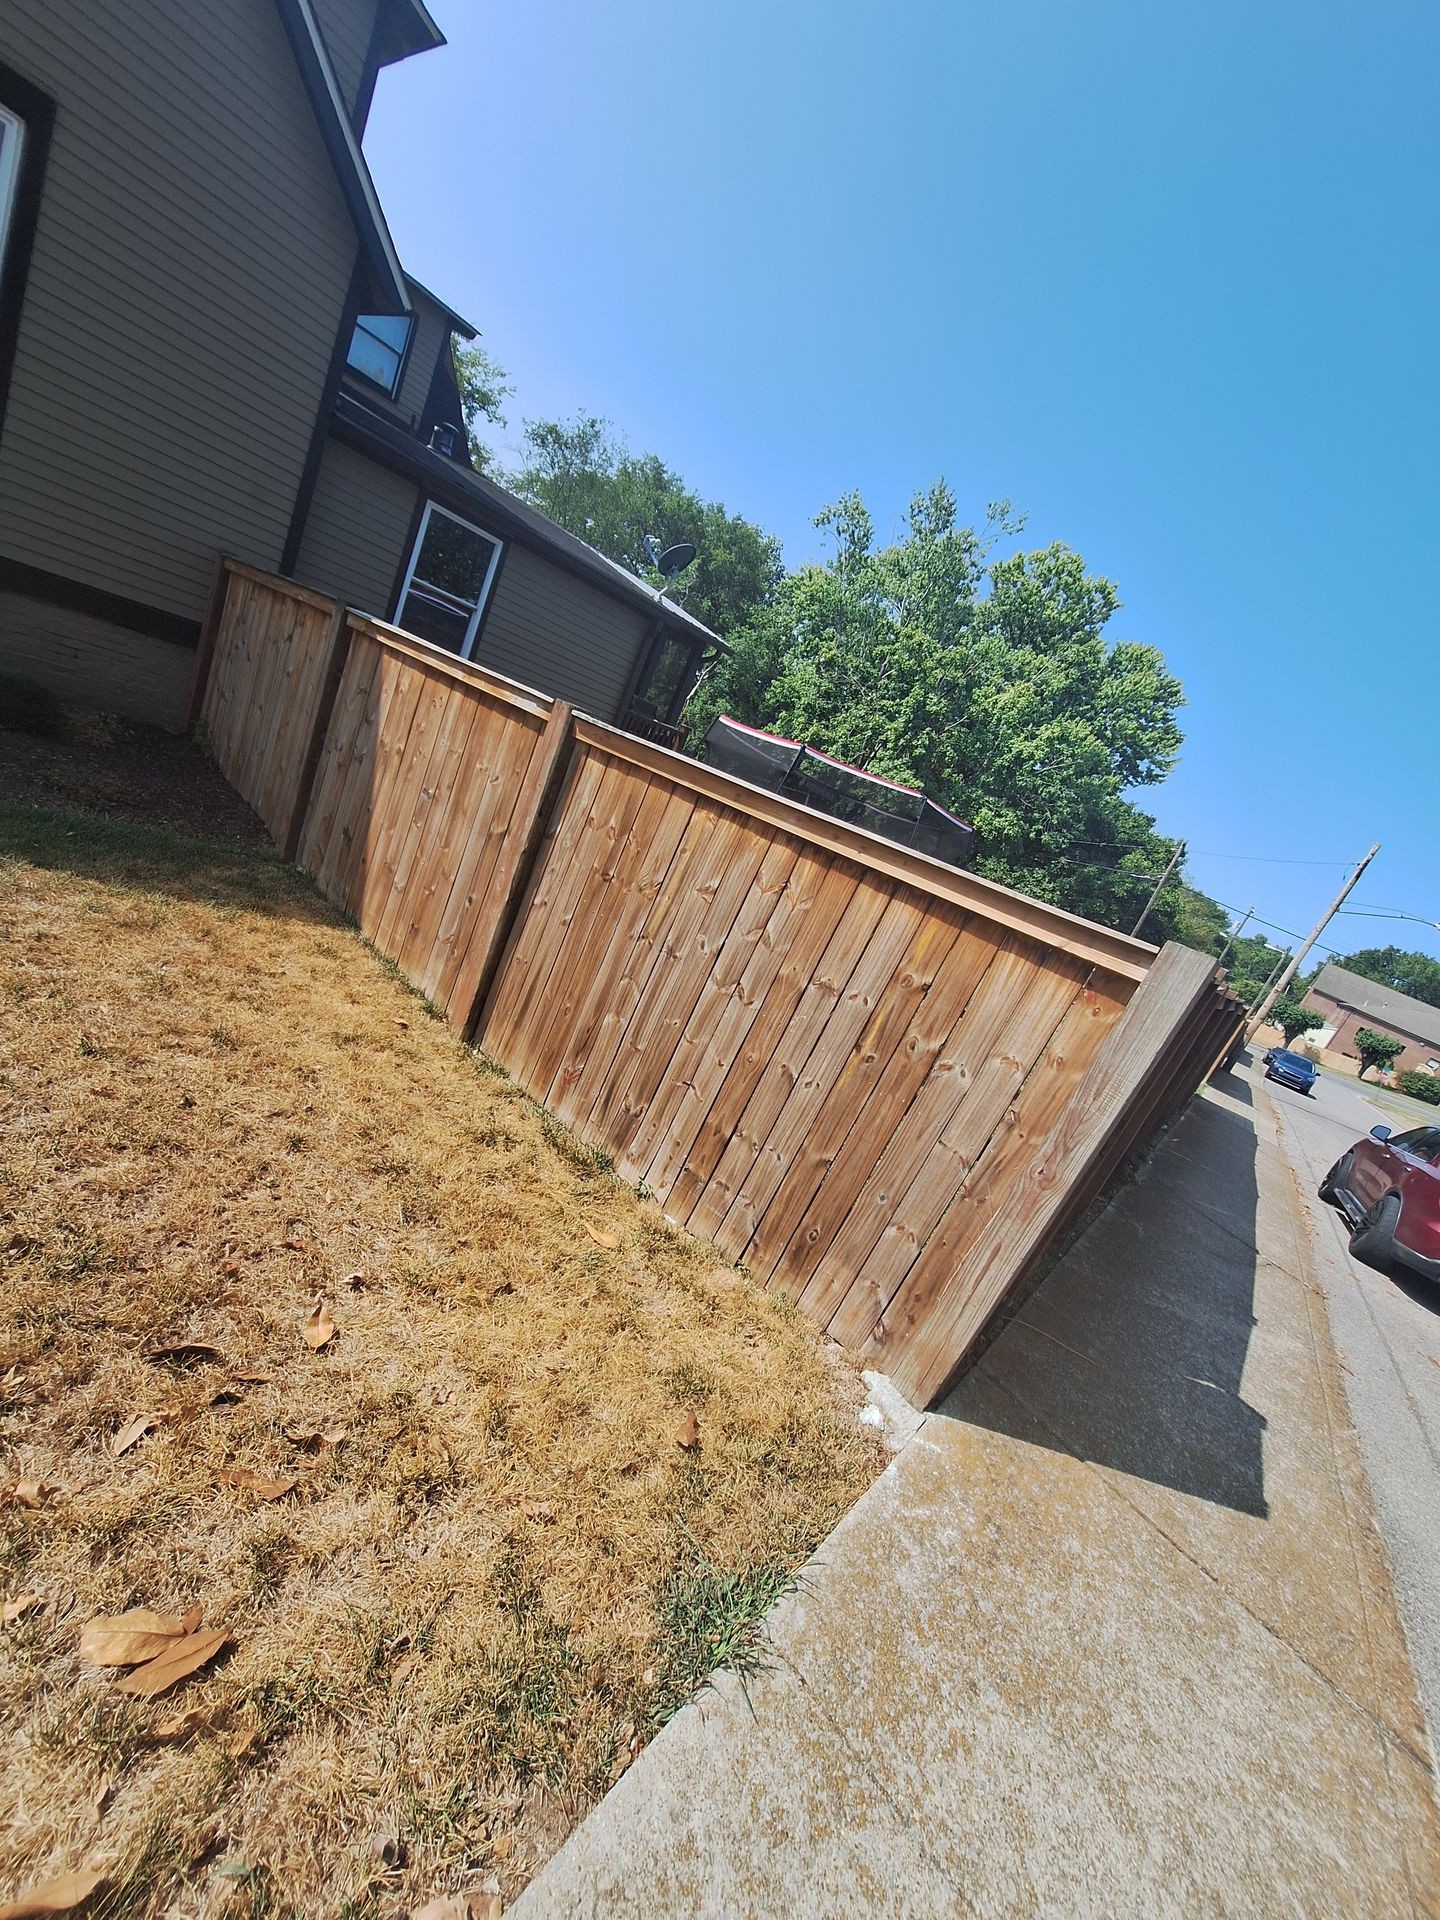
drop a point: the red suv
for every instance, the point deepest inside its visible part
(1388, 1188)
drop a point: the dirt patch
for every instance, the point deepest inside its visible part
(473, 1546)
(128, 772)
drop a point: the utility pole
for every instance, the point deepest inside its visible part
(1175, 859)
(1234, 934)
(1258, 1017)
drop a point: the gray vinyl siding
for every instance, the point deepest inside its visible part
(345, 27)
(554, 632)
(188, 279)
(91, 663)
(360, 519)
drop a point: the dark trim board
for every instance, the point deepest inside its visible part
(56, 591)
(320, 432)
(37, 110)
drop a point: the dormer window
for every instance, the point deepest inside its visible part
(377, 350)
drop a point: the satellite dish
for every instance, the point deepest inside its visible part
(673, 562)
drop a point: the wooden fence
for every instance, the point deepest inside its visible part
(885, 1085)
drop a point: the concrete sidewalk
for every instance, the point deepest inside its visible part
(1113, 1635)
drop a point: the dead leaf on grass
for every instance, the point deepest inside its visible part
(180, 1726)
(538, 1509)
(312, 1442)
(319, 1328)
(601, 1238)
(243, 1743)
(460, 1906)
(184, 1353)
(134, 1430)
(687, 1434)
(104, 1792)
(295, 1244)
(230, 1268)
(401, 1023)
(179, 1660)
(192, 1618)
(21, 1607)
(254, 1379)
(245, 1480)
(61, 1894)
(128, 1639)
(32, 1494)
(355, 1281)
(388, 1849)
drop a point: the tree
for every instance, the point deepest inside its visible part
(1406, 971)
(987, 683)
(1293, 1019)
(583, 477)
(1376, 1049)
(484, 389)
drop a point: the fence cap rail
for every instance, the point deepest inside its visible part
(468, 672)
(1117, 953)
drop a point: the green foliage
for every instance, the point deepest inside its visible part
(484, 389)
(1421, 1086)
(1376, 1049)
(1293, 1019)
(27, 707)
(1406, 971)
(583, 477)
(988, 683)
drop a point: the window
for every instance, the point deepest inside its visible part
(377, 347)
(12, 148)
(450, 574)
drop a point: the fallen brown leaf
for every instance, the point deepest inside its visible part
(180, 1726)
(184, 1353)
(388, 1849)
(128, 1639)
(101, 1797)
(31, 1493)
(246, 1741)
(538, 1509)
(61, 1894)
(294, 1244)
(179, 1660)
(134, 1430)
(21, 1606)
(230, 1267)
(244, 1480)
(601, 1238)
(355, 1281)
(460, 1906)
(319, 1328)
(193, 1616)
(687, 1434)
(255, 1379)
(312, 1442)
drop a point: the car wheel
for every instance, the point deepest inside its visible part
(1373, 1241)
(1337, 1177)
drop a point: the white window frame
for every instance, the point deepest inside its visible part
(12, 159)
(496, 547)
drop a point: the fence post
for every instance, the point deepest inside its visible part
(209, 628)
(337, 645)
(549, 764)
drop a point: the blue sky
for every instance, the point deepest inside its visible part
(1165, 277)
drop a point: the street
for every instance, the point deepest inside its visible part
(1387, 1331)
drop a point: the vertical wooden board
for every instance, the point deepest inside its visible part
(787, 1049)
(353, 807)
(409, 687)
(285, 618)
(850, 1016)
(271, 640)
(589, 921)
(304, 672)
(732, 958)
(1013, 1013)
(815, 904)
(946, 1305)
(457, 776)
(534, 941)
(588, 1019)
(705, 910)
(318, 841)
(992, 1205)
(573, 864)
(886, 1116)
(412, 804)
(230, 678)
(479, 803)
(405, 765)
(506, 812)
(837, 1096)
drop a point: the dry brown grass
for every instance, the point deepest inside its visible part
(481, 1599)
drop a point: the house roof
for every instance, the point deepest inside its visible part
(1383, 1004)
(458, 321)
(412, 30)
(504, 512)
(353, 176)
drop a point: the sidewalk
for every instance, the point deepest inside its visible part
(1112, 1636)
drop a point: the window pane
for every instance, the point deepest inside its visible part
(434, 617)
(377, 347)
(12, 135)
(454, 558)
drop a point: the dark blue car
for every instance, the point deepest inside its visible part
(1291, 1070)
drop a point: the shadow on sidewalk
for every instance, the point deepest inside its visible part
(1131, 1352)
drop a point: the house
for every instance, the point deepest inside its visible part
(208, 344)
(1349, 1001)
